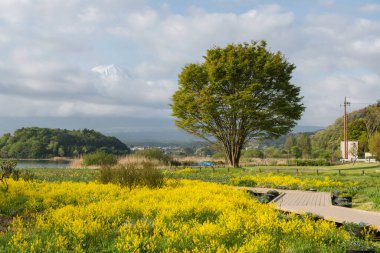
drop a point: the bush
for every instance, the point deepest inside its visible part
(175, 163)
(310, 162)
(8, 169)
(269, 196)
(245, 181)
(28, 175)
(154, 154)
(132, 175)
(99, 158)
(151, 176)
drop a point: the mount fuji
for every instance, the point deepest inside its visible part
(111, 72)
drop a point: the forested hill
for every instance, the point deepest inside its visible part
(37, 142)
(362, 124)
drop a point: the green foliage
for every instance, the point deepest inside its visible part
(37, 142)
(8, 170)
(252, 153)
(272, 152)
(296, 152)
(305, 162)
(154, 154)
(217, 155)
(240, 92)
(374, 145)
(290, 142)
(99, 158)
(132, 175)
(28, 175)
(303, 142)
(59, 174)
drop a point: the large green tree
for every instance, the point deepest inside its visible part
(239, 93)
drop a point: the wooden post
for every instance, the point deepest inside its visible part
(260, 170)
(200, 168)
(317, 172)
(363, 172)
(297, 172)
(339, 172)
(213, 169)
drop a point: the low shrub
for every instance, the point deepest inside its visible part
(284, 182)
(132, 175)
(99, 158)
(151, 176)
(342, 198)
(310, 162)
(269, 196)
(8, 170)
(175, 163)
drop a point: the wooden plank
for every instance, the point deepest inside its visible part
(319, 203)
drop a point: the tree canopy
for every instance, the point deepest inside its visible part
(374, 145)
(238, 93)
(37, 142)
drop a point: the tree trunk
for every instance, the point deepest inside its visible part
(233, 155)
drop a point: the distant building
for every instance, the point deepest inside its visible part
(353, 147)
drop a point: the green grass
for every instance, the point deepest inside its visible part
(61, 174)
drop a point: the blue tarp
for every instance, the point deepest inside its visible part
(204, 164)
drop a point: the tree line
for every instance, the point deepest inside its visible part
(38, 143)
(364, 127)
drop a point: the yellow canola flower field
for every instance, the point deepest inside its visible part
(183, 216)
(285, 181)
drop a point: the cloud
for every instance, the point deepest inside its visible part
(373, 7)
(326, 95)
(43, 68)
(178, 38)
(49, 47)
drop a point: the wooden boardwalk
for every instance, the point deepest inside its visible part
(319, 203)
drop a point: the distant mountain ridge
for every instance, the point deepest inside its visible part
(177, 136)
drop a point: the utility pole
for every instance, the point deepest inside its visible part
(345, 128)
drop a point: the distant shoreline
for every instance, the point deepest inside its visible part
(40, 159)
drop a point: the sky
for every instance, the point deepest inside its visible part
(49, 48)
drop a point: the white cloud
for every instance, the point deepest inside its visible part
(373, 7)
(91, 14)
(47, 49)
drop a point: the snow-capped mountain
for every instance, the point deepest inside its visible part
(111, 72)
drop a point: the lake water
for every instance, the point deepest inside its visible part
(25, 164)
